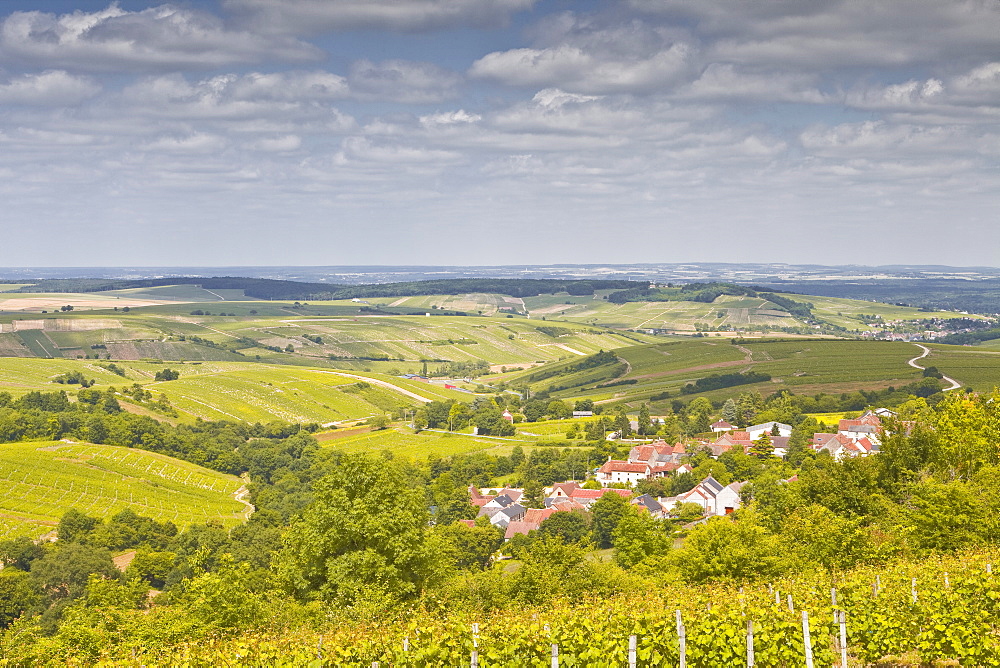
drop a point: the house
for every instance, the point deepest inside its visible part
(721, 426)
(562, 490)
(730, 440)
(583, 414)
(650, 505)
(840, 446)
(586, 497)
(629, 473)
(714, 497)
(476, 498)
(756, 430)
(504, 516)
(508, 416)
(867, 426)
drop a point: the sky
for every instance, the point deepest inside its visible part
(488, 132)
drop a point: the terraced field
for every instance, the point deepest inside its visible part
(39, 482)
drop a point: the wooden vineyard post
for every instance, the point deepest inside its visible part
(555, 655)
(777, 597)
(791, 606)
(681, 640)
(843, 638)
(474, 659)
(833, 596)
(750, 657)
(947, 582)
(631, 651)
(319, 648)
(989, 569)
(806, 639)
(913, 589)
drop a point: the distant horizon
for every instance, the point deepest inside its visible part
(256, 133)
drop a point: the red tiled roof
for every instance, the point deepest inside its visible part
(598, 493)
(537, 515)
(614, 466)
(521, 527)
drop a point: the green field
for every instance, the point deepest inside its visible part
(971, 366)
(404, 443)
(39, 482)
(240, 390)
(804, 366)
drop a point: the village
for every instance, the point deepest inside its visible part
(506, 509)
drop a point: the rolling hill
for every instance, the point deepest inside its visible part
(40, 481)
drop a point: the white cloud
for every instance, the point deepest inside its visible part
(722, 81)
(402, 81)
(575, 70)
(162, 37)
(198, 143)
(824, 35)
(315, 16)
(50, 88)
(289, 97)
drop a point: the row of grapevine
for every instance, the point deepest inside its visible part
(907, 614)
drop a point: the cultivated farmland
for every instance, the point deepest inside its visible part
(39, 482)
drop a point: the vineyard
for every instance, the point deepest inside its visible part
(41, 481)
(907, 614)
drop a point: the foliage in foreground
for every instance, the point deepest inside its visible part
(952, 616)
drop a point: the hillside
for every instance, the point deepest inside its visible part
(40, 481)
(660, 372)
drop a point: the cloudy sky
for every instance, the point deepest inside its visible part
(320, 132)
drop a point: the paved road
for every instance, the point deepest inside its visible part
(927, 351)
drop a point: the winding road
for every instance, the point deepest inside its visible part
(927, 351)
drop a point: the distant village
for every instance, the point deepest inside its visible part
(859, 437)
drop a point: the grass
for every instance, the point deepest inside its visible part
(39, 482)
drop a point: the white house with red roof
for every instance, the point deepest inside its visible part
(622, 472)
(721, 426)
(586, 497)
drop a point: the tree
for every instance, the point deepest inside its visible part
(559, 410)
(19, 593)
(533, 494)
(472, 548)
(645, 425)
(748, 404)
(622, 424)
(729, 412)
(762, 447)
(74, 526)
(166, 374)
(726, 549)
(569, 527)
(63, 571)
(638, 536)
(699, 415)
(607, 512)
(364, 538)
